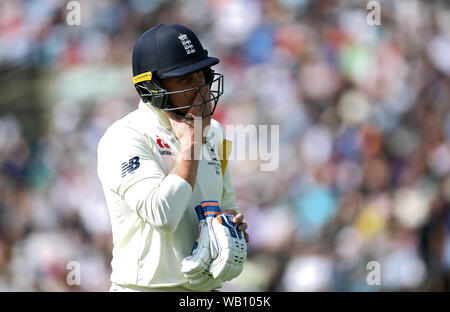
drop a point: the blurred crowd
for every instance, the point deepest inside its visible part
(363, 183)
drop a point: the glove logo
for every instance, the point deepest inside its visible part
(226, 221)
(130, 166)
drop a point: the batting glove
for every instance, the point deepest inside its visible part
(196, 266)
(227, 243)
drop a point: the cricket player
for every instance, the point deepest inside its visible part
(163, 168)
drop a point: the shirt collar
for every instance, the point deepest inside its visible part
(158, 114)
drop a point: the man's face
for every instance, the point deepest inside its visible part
(189, 97)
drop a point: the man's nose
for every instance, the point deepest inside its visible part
(199, 80)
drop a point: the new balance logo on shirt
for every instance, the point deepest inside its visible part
(130, 166)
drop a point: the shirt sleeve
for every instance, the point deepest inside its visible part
(127, 166)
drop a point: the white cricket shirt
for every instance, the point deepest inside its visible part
(154, 224)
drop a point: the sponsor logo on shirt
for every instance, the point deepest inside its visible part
(212, 155)
(164, 147)
(130, 166)
(211, 151)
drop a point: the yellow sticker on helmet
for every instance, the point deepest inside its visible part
(142, 77)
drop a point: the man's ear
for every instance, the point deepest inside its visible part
(208, 73)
